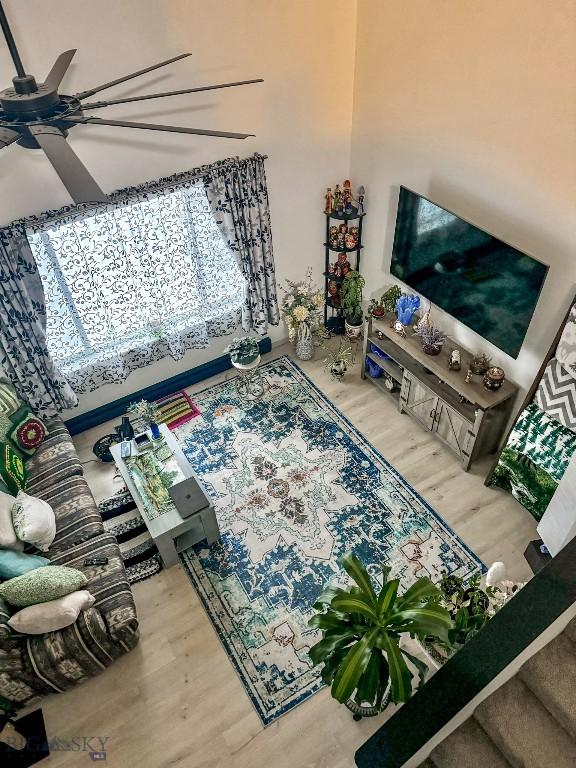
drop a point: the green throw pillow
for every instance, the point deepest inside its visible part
(12, 469)
(42, 585)
(9, 400)
(13, 564)
(26, 431)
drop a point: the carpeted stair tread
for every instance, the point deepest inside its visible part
(469, 746)
(524, 730)
(570, 631)
(551, 676)
(428, 764)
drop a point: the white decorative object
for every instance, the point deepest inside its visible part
(34, 521)
(566, 349)
(558, 524)
(8, 538)
(52, 615)
(495, 574)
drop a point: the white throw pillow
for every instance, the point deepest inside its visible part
(34, 521)
(8, 538)
(55, 614)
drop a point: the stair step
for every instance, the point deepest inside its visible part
(427, 764)
(570, 631)
(469, 746)
(551, 676)
(524, 730)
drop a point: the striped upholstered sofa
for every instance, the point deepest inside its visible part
(35, 665)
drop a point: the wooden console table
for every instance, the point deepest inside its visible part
(466, 417)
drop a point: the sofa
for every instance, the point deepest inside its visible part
(34, 665)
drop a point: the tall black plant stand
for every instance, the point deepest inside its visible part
(333, 312)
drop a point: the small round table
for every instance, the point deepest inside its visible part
(250, 384)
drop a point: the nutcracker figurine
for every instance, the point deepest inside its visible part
(338, 202)
(360, 199)
(347, 196)
(329, 201)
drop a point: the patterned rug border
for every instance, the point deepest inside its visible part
(399, 478)
(265, 719)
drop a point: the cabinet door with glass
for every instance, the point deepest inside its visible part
(419, 401)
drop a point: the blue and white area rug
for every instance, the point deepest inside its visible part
(295, 485)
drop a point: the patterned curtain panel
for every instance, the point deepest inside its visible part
(238, 196)
(135, 280)
(24, 353)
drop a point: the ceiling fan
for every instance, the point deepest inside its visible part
(37, 116)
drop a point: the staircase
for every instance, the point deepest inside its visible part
(530, 722)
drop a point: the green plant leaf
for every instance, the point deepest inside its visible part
(356, 570)
(400, 675)
(421, 590)
(369, 683)
(332, 663)
(387, 596)
(327, 595)
(353, 666)
(430, 619)
(329, 620)
(329, 643)
(421, 666)
(356, 604)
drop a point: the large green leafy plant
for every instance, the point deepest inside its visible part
(360, 648)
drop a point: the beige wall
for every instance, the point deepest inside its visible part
(301, 115)
(473, 105)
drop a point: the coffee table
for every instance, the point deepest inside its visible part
(171, 532)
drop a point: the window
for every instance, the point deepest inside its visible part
(129, 284)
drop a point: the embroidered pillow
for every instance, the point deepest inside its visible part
(34, 521)
(53, 615)
(27, 431)
(42, 585)
(12, 469)
(566, 349)
(556, 394)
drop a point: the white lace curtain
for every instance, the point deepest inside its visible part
(126, 285)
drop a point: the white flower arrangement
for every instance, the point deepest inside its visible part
(301, 304)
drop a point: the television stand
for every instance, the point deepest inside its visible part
(466, 417)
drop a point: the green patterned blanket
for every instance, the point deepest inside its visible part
(534, 459)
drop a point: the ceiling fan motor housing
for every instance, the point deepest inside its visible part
(28, 99)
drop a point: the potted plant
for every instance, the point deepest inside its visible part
(432, 339)
(149, 414)
(470, 608)
(244, 350)
(390, 297)
(362, 628)
(376, 308)
(337, 362)
(300, 309)
(352, 287)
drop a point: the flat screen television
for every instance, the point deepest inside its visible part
(481, 281)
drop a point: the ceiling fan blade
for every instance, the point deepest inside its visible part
(98, 104)
(7, 136)
(60, 68)
(155, 127)
(73, 173)
(85, 94)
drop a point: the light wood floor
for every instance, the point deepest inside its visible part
(176, 702)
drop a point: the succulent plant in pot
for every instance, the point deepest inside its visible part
(243, 351)
(432, 339)
(362, 627)
(376, 308)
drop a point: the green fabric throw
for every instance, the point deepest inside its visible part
(534, 459)
(12, 469)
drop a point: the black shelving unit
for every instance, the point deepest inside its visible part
(334, 314)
